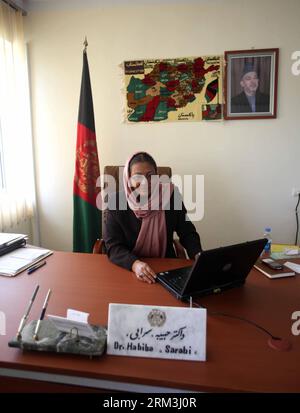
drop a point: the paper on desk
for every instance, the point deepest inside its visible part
(27, 253)
(294, 251)
(283, 256)
(18, 260)
(283, 247)
(66, 325)
(76, 315)
(293, 266)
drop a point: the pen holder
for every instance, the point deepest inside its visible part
(52, 340)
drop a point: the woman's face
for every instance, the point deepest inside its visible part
(140, 177)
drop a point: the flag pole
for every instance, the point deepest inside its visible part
(85, 43)
(86, 215)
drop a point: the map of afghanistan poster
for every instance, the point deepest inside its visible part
(183, 89)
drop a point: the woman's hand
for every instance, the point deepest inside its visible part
(143, 272)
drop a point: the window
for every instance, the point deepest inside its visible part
(17, 195)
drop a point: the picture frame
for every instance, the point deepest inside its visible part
(250, 86)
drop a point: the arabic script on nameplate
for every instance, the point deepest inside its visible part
(156, 331)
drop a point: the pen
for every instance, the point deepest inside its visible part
(35, 267)
(35, 335)
(25, 316)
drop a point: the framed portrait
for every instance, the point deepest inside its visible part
(251, 84)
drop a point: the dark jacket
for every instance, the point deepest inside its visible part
(122, 228)
(240, 103)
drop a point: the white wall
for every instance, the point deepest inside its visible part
(250, 166)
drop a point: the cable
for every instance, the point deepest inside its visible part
(297, 220)
(217, 313)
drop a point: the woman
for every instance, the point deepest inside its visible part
(145, 227)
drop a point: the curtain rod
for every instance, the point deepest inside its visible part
(15, 6)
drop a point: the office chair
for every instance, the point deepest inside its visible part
(117, 172)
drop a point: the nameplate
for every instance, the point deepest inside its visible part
(158, 332)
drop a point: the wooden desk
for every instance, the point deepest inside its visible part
(238, 357)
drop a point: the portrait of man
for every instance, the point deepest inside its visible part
(251, 84)
(250, 98)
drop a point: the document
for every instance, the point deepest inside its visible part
(293, 266)
(77, 316)
(20, 259)
(284, 251)
(66, 325)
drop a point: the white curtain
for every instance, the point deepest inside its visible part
(17, 199)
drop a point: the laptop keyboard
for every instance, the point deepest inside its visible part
(178, 282)
(176, 278)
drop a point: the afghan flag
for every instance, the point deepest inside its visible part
(86, 216)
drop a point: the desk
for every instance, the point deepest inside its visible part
(238, 357)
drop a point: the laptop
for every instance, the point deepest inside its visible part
(214, 270)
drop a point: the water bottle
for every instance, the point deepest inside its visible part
(267, 234)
